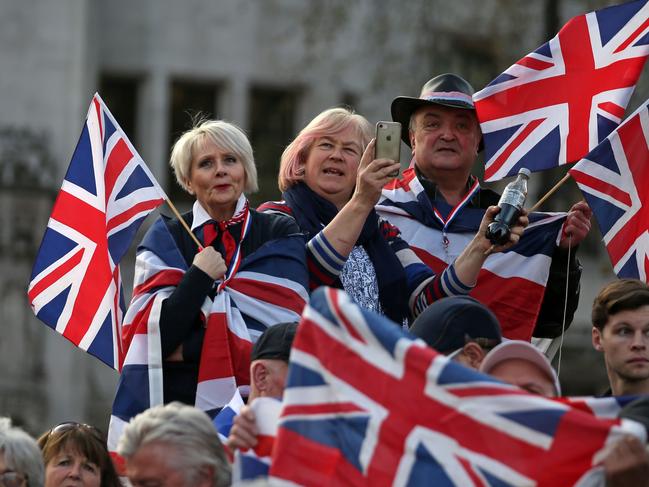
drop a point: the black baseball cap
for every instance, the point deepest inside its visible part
(275, 342)
(447, 324)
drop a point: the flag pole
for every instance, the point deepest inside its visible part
(184, 223)
(549, 193)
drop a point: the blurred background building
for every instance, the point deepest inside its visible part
(268, 66)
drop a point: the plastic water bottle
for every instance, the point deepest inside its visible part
(511, 203)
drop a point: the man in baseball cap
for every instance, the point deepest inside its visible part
(268, 371)
(269, 361)
(522, 364)
(441, 128)
(460, 327)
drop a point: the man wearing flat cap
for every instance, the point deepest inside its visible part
(442, 129)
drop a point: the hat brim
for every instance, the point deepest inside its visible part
(403, 107)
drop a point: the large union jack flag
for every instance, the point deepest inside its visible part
(560, 101)
(614, 179)
(365, 404)
(75, 287)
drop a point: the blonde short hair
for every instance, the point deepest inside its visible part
(329, 122)
(225, 135)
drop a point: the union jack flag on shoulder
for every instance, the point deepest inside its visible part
(512, 283)
(266, 287)
(75, 287)
(366, 404)
(560, 101)
(614, 179)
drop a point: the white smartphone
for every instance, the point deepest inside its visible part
(388, 142)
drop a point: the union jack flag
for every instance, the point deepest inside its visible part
(614, 179)
(267, 287)
(365, 404)
(75, 287)
(512, 283)
(560, 101)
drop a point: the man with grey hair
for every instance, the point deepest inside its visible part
(21, 462)
(174, 445)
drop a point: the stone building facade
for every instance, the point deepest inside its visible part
(268, 65)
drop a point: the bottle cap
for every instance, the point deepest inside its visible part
(525, 172)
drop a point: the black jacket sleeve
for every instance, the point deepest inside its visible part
(549, 322)
(179, 315)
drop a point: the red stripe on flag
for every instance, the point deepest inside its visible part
(143, 207)
(633, 37)
(270, 293)
(167, 277)
(297, 464)
(139, 325)
(264, 447)
(55, 275)
(118, 158)
(497, 164)
(533, 63)
(224, 354)
(98, 112)
(332, 294)
(596, 184)
(339, 407)
(477, 480)
(612, 108)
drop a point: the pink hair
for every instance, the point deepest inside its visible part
(329, 122)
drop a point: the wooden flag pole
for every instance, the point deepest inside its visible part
(549, 193)
(184, 224)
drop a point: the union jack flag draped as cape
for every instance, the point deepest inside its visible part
(264, 288)
(560, 101)
(75, 287)
(614, 179)
(366, 404)
(511, 283)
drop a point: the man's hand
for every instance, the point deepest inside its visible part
(627, 464)
(577, 225)
(244, 432)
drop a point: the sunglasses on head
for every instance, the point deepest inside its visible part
(12, 479)
(71, 425)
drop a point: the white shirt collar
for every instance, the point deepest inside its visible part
(201, 216)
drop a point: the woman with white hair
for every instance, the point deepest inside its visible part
(211, 301)
(173, 444)
(21, 463)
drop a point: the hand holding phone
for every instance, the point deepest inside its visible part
(388, 142)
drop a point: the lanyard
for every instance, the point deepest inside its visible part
(446, 222)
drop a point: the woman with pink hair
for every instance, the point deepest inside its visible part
(330, 183)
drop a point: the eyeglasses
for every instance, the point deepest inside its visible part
(70, 425)
(12, 479)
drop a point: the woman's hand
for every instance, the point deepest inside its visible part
(373, 174)
(211, 263)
